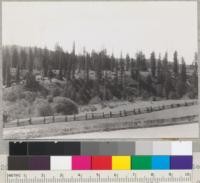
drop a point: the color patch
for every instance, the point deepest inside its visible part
(39, 163)
(160, 162)
(51, 148)
(144, 148)
(101, 162)
(107, 148)
(18, 148)
(181, 148)
(17, 163)
(161, 148)
(121, 162)
(180, 162)
(141, 162)
(61, 163)
(81, 162)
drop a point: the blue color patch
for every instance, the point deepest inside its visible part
(160, 162)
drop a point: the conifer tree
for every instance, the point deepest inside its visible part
(176, 64)
(153, 64)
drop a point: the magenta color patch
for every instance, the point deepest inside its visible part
(81, 162)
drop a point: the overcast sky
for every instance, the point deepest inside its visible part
(116, 26)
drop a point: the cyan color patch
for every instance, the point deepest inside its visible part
(160, 162)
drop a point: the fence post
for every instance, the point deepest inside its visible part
(44, 120)
(86, 116)
(74, 117)
(133, 111)
(53, 119)
(186, 104)
(92, 115)
(103, 115)
(120, 113)
(124, 112)
(110, 114)
(66, 119)
(139, 111)
(17, 122)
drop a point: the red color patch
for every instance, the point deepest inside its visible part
(101, 162)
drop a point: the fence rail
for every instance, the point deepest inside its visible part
(93, 116)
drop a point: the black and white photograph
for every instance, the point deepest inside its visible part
(100, 69)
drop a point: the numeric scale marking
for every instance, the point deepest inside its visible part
(98, 176)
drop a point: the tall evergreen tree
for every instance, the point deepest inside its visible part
(59, 56)
(121, 62)
(6, 67)
(112, 62)
(16, 64)
(153, 64)
(168, 84)
(141, 61)
(30, 61)
(73, 60)
(183, 71)
(128, 60)
(132, 71)
(176, 64)
(23, 57)
(159, 68)
(45, 62)
(165, 62)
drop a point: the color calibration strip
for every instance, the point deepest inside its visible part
(99, 162)
(140, 155)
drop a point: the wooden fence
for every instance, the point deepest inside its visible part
(93, 116)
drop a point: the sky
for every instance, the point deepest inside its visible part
(120, 27)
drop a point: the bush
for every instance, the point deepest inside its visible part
(29, 96)
(56, 92)
(64, 106)
(43, 108)
(50, 98)
(10, 96)
(18, 110)
(193, 94)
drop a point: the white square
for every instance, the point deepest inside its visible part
(61, 163)
(181, 148)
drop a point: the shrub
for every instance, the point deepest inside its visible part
(29, 96)
(50, 98)
(43, 108)
(56, 92)
(64, 106)
(19, 109)
(12, 94)
(193, 94)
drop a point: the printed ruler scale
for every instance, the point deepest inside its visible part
(98, 176)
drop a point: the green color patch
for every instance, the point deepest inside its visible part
(141, 162)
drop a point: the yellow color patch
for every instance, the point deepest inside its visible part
(121, 162)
